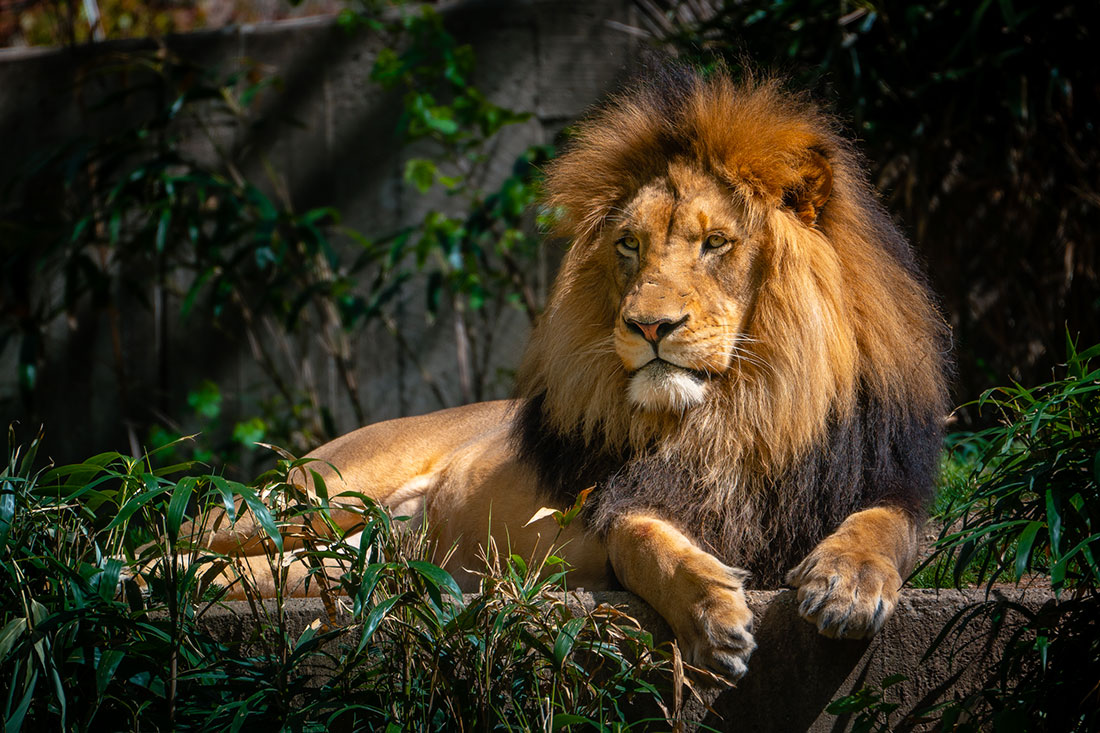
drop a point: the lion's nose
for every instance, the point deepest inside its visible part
(654, 330)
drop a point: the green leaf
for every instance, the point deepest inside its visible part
(206, 400)
(578, 504)
(377, 615)
(566, 638)
(7, 513)
(196, 287)
(441, 120)
(174, 468)
(177, 507)
(421, 173)
(250, 432)
(1023, 547)
(563, 720)
(137, 501)
(437, 576)
(14, 724)
(263, 515)
(864, 698)
(1054, 522)
(162, 229)
(10, 634)
(106, 580)
(227, 495)
(105, 669)
(371, 575)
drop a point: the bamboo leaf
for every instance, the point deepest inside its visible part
(105, 669)
(1023, 547)
(14, 723)
(376, 616)
(263, 516)
(1054, 522)
(10, 634)
(136, 502)
(177, 507)
(566, 638)
(437, 576)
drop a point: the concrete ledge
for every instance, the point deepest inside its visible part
(795, 672)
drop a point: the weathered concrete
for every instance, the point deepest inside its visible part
(794, 672)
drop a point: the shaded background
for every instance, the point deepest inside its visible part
(280, 231)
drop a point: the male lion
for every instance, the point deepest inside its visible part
(738, 354)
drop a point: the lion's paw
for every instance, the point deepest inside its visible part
(719, 637)
(847, 595)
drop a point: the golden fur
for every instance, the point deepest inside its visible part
(836, 307)
(737, 353)
(837, 315)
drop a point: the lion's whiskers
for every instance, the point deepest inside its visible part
(735, 339)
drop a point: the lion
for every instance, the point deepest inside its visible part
(739, 354)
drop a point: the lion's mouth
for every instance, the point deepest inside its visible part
(662, 385)
(662, 367)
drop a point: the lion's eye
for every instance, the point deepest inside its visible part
(715, 241)
(627, 244)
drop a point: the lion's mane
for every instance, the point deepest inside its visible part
(838, 406)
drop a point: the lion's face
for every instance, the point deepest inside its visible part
(686, 266)
(731, 291)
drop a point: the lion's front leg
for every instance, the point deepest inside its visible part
(702, 599)
(848, 585)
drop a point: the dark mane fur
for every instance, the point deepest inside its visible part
(874, 457)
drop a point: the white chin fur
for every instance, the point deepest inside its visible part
(662, 386)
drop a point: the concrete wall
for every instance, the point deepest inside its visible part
(795, 672)
(549, 57)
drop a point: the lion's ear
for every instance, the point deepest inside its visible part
(809, 194)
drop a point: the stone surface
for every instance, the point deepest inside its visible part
(794, 672)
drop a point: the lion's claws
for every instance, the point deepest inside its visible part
(727, 657)
(729, 666)
(846, 597)
(723, 641)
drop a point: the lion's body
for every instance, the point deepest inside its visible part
(457, 470)
(737, 353)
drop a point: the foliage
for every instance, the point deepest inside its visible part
(961, 459)
(1030, 514)
(406, 652)
(1024, 513)
(478, 252)
(72, 654)
(869, 706)
(983, 139)
(142, 222)
(159, 216)
(66, 22)
(1036, 487)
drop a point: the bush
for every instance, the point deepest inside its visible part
(1018, 506)
(1029, 517)
(405, 650)
(1018, 503)
(1035, 488)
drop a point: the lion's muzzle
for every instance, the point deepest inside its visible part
(661, 385)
